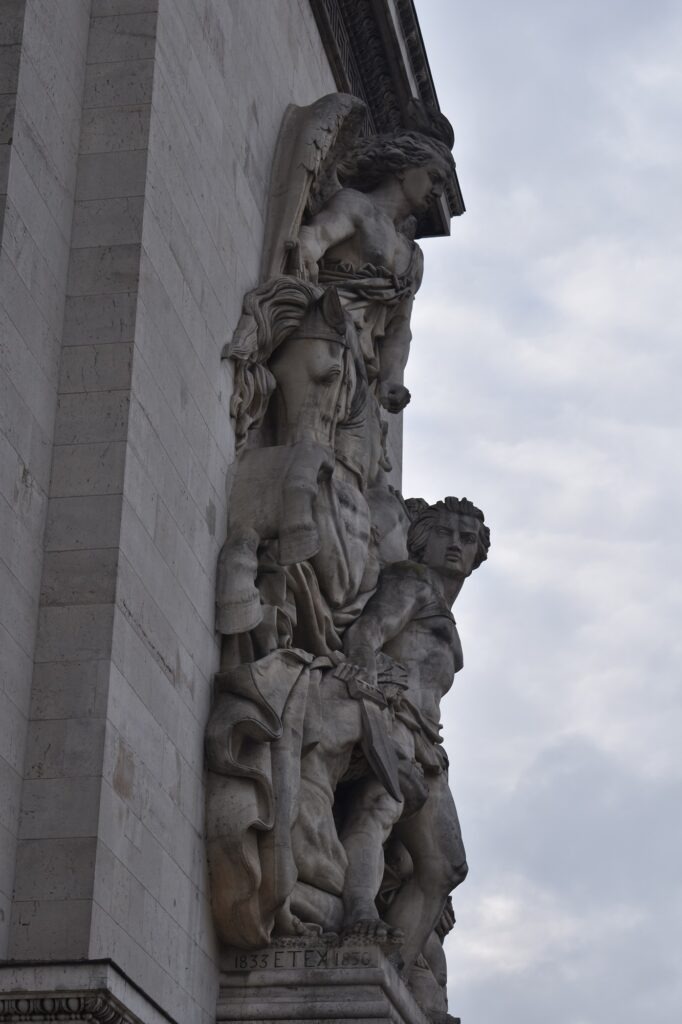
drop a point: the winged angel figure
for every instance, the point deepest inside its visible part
(343, 210)
(342, 214)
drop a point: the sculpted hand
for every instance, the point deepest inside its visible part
(362, 656)
(368, 668)
(393, 397)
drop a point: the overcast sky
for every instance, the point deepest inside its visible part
(546, 374)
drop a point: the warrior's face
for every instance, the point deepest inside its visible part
(452, 545)
(423, 185)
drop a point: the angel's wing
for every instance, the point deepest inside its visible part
(308, 141)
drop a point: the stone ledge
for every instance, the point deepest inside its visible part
(79, 991)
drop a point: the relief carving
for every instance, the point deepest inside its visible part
(328, 807)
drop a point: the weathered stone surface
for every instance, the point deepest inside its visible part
(328, 805)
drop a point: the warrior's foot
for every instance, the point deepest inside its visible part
(287, 923)
(371, 927)
(306, 929)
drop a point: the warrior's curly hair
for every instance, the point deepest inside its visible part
(373, 158)
(424, 516)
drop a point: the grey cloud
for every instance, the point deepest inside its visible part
(553, 316)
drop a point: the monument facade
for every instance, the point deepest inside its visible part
(225, 634)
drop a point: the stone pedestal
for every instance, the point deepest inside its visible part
(315, 980)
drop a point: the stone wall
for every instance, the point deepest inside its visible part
(59, 854)
(42, 65)
(133, 224)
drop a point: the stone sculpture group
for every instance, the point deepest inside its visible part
(328, 808)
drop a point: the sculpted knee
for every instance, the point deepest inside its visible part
(443, 872)
(386, 810)
(373, 806)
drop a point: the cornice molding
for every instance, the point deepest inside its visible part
(99, 1007)
(367, 43)
(92, 991)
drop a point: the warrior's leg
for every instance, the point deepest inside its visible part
(320, 857)
(433, 839)
(368, 825)
(299, 537)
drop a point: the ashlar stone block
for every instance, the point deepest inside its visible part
(104, 269)
(112, 221)
(111, 83)
(107, 129)
(129, 36)
(106, 175)
(108, 319)
(83, 469)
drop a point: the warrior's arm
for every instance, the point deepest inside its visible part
(385, 616)
(395, 349)
(393, 353)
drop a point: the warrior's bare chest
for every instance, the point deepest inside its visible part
(430, 645)
(378, 243)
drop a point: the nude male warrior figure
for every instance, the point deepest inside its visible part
(407, 623)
